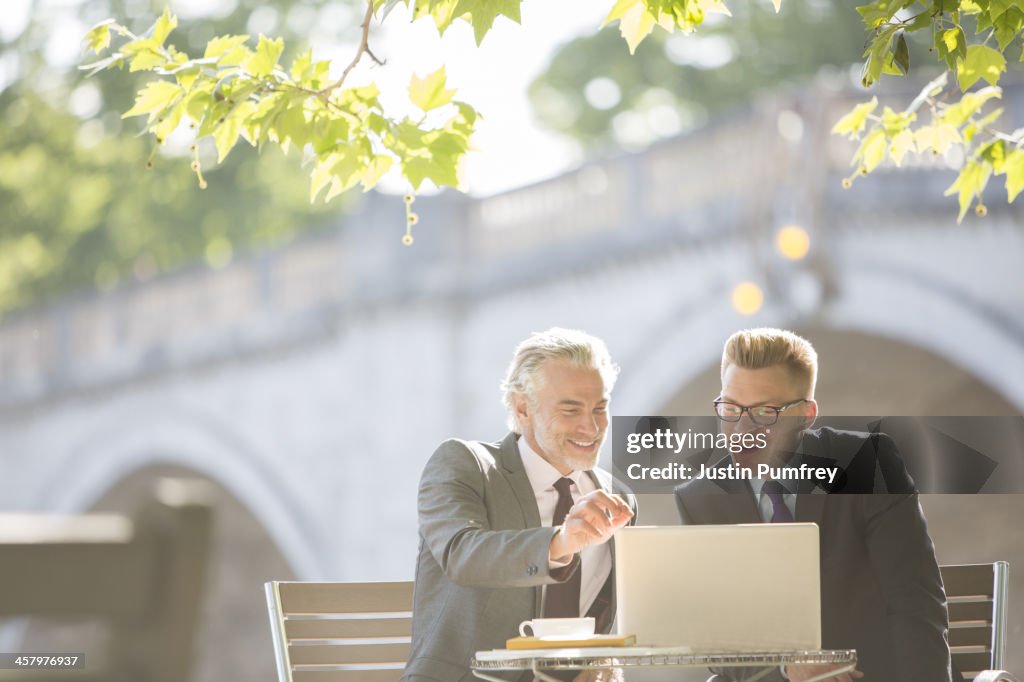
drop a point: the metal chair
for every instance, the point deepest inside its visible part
(976, 594)
(340, 632)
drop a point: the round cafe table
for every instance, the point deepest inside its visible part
(487, 663)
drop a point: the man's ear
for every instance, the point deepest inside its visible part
(810, 413)
(521, 407)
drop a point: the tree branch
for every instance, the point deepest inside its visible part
(364, 48)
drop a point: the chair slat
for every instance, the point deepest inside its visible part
(348, 628)
(973, 636)
(971, 664)
(335, 654)
(971, 611)
(968, 579)
(326, 598)
(346, 675)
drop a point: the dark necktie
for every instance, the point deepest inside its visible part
(563, 599)
(780, 512)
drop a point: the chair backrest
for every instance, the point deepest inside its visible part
(976, 594)
(340, 632)
(142, 576)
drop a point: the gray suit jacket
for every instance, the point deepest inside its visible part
(483, 556)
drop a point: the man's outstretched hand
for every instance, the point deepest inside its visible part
(591, 521)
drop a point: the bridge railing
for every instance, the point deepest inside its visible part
(294, 293)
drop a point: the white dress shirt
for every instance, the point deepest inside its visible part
(596, 559)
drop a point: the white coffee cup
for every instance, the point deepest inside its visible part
(558, 627)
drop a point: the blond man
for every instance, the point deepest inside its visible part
(880, 586)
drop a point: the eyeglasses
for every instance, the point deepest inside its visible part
(762, 415)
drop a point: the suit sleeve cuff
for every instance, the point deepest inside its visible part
(563, 571)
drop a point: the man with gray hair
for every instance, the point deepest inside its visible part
(519, 529)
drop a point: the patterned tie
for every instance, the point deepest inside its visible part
(780, 512)
(563, 599)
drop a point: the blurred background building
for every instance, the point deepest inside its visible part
(306, 363)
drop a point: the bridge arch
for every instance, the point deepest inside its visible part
(126, 440)
(928, 316)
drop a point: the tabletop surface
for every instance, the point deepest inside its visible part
(637, 656)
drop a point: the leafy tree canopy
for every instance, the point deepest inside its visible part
(239, 89)
(79, 208)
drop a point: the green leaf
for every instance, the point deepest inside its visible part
(429, 92)
(902, 143)
(163, 26)
(224, 47)
(144, 54)
(384, 7)
(155, 96)
(969, 105)
(969, 184)
(982, 62)
(996, 8)
(380, 165)
(197, 101)
(418, 169)
(975, 127)
(302, 65)
(853, 123)
(483, 13)
(170, 122)
(1008, 26)
(340, 169)
(896, 121)
(225, 135)
(292, 126)
(346, 172)
(264, 119)
(938, 138)
(951, 45)
(264, 61)
(872, 150)
(878, 55)
(901, 54)
(875, 13)
(411, 135)
(1014, 168)
(328, 133)
(98, 39)
(994, 152)
(635, 22)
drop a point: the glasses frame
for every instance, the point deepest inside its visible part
(743, 408)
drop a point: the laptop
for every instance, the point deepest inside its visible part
(740, 588)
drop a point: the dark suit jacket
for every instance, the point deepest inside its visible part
(483, 556)
(881, 592)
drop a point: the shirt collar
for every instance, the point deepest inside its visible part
(788, 485)
(540, 472)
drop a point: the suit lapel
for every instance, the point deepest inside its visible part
(810, 508)
(725, 501)
(511, 463)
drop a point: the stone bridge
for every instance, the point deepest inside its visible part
(311, 382)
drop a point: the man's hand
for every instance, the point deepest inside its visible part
(800, 673)
(591, 521)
